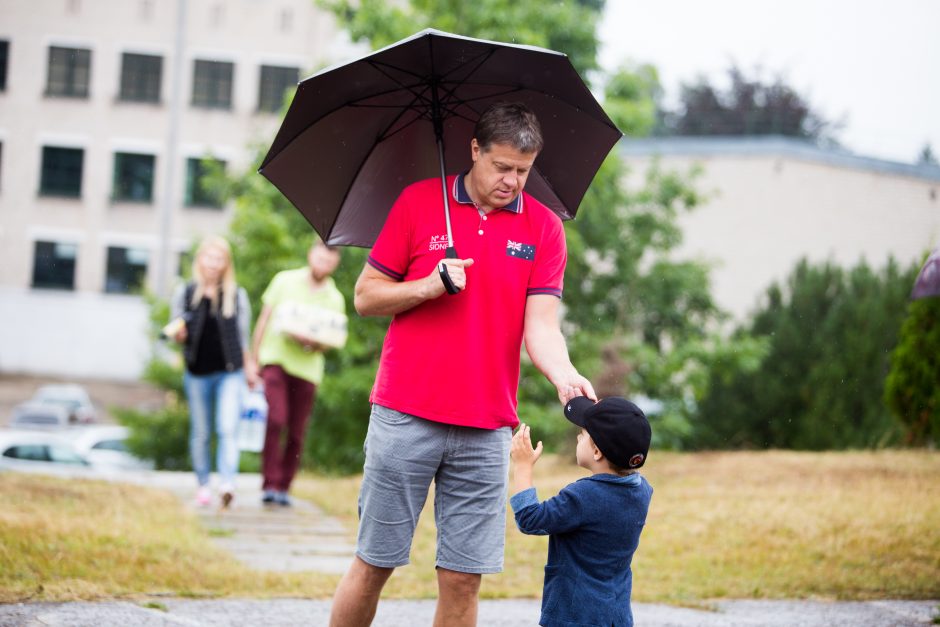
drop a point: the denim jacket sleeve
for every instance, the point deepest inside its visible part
(556, 515)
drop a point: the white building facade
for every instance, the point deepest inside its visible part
(771, 201)
(108, 109)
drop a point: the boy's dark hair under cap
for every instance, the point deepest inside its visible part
(618, 427)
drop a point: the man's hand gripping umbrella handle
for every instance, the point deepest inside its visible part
(449, 253)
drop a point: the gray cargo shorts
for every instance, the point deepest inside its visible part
(469, 468)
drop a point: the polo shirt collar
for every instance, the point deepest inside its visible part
(463, 197)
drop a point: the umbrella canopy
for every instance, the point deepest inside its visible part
(356, 134)
(928, 280)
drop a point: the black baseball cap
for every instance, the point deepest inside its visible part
(618, 427)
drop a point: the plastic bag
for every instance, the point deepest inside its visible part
(253, 421)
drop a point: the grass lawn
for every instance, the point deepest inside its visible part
(860, 525)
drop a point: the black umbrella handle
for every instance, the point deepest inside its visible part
(449, 253)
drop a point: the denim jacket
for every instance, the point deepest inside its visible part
(594, 526)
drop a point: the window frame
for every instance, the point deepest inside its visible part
(140, 82)
(213, 84)
(119, 269)
(196, 196)
(119, 184)
(76, 79)
(57, 263)
(4, 63)
(51, 175)
(270, 97)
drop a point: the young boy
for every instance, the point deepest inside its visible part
(594, 524)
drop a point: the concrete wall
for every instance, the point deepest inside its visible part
(85, 335)
(764, 212)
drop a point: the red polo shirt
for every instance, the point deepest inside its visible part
(455, 359)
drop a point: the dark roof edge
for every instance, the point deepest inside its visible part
(770, 145)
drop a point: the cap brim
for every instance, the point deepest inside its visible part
(576, 408)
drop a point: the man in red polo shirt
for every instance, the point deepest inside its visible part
(444, 400)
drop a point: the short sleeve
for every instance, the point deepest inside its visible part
(549, 272)
(391, 253)
(272, 293)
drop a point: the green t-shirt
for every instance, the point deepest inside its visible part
(278, 349)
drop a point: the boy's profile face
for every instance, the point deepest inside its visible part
(585, 450)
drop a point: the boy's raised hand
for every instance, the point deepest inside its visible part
(522, 451)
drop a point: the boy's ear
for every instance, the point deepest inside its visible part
(598, 456)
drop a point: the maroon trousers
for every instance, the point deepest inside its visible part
(290, 400)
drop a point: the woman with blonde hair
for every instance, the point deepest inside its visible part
(216, 315)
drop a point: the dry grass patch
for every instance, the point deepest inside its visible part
(859, 525)
(722, 525)
(67, 539)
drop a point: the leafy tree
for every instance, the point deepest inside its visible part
(565, 25)
(821, 384)
(927, 156)
(749, 106)
(912, 389)
(631, 99)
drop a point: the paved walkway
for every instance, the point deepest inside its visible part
(265, 537)
(509, 613)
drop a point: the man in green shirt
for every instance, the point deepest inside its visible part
(290, 360)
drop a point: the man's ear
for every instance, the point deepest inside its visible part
(474, 149)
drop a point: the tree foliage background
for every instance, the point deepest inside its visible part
(912, 389)
(821, 386)
(749, 105)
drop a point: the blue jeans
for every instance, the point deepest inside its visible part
(220, 392)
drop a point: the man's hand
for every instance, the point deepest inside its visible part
(456, 271)
(572, 384)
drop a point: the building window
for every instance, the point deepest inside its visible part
(54, 265)
(274, 82)
(212, 84)
(202, 189)
(61, 171)
(127, 268)
(140, 77)
(4, 55)
(133, 177)
(69, 72)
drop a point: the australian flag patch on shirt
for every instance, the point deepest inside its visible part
(520, 250)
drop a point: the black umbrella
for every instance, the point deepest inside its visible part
(928, 280)
(356, 134)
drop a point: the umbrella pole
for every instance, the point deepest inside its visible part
(450, 252)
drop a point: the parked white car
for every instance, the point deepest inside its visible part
(73, 397)
(39, 451)
(34, 415)
(105, 447)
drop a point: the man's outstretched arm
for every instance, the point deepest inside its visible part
(546, 346)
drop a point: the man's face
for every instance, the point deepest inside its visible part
(322, 261)
(499, 173)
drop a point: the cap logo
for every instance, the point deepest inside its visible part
(636, 460)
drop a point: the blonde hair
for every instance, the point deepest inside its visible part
(229, 287)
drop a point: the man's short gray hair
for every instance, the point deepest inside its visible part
(510, 123)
